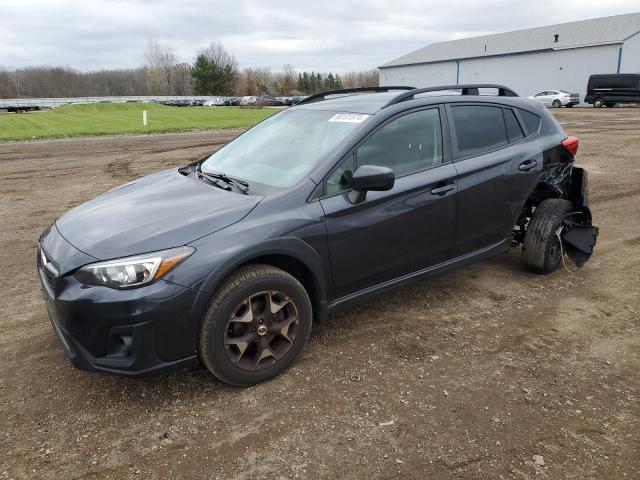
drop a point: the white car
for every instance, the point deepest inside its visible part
(214, 102)
(248, 100)
(557, 98)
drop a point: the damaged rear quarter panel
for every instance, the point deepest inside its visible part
(560, 178)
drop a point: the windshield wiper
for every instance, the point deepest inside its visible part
(214, 177)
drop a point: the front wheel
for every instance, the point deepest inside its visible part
(257, 323)
(542, 249)
(556, 104)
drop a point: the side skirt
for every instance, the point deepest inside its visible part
(374, 290)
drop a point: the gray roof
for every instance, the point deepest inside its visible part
(368, 103)
(597, 31)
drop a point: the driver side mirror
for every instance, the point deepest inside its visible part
(370, 177)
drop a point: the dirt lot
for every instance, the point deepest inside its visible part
(465, 375)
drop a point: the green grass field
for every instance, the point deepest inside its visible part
(123, 118)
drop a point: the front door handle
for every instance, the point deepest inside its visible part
(444, 189)
(527, 165)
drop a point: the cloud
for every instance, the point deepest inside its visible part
(330, 35)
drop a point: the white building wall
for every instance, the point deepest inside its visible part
(532, 72)
(427, 75)
(630, 61)
(526, 73)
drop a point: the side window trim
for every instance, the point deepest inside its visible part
(446, 153)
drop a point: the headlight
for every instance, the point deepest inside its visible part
(133, 271)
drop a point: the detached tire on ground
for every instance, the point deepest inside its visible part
(541, 249)
(257, 323)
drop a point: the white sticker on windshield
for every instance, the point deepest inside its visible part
(349, 117)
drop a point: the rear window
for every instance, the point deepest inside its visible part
(531, 122)
(514, 131)
(478, 129)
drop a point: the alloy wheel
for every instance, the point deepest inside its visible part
(261, 330)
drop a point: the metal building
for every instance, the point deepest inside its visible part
(552, 57)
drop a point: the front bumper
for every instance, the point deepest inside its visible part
(132, 332)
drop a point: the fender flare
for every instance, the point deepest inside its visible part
(292, 247)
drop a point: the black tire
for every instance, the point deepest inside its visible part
(598, 102)
(541, 249)
(215, 347)
(556, 104)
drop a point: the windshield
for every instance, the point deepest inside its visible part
(281, 150)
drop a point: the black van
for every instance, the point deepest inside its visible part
(614, 88)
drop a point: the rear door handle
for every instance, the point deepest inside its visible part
(527, 165)
(442, 190)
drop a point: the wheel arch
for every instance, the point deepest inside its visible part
(298, 269)
(292, 255)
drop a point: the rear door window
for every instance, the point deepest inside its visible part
(531, 122)
(514, 131)
(478, 129)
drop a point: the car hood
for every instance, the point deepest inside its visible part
(160, 211)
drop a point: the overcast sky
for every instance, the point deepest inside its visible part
(326, 35)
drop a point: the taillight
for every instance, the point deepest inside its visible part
(571, 145)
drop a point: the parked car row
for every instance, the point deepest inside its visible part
(268, 101)
(246, 101)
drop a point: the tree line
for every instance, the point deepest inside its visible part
(214, 71)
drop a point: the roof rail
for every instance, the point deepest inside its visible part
(318, 97)
(468, 89)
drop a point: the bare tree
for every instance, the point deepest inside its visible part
(220, 56)
(38, 82)
(255, 81)
(285, 81)
(161, 65)
(182, 79)
(368, 78)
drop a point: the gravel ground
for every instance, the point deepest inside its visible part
(484, 372)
